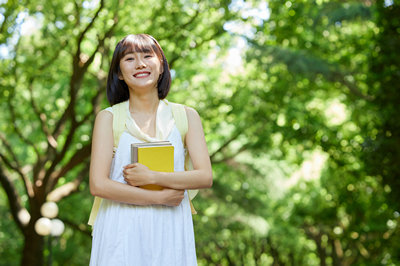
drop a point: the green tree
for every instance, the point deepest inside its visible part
(315, 58)
(302, 132)
(53, 84)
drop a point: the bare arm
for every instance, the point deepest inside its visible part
(102, 186)
(200, 177)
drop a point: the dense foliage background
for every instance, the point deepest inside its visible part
(299, 101)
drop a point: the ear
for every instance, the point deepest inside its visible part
(120, 77)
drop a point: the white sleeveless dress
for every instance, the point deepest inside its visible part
(125, 234)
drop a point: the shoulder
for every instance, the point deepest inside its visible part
(108, 109)
(193, 118)
(105, 113)
(191, 113)
(105, 116)
(103, 126)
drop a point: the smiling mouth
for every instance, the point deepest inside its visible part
(141, 74)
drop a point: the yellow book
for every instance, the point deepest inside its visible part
(157, 156)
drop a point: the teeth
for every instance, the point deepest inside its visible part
(141, 75)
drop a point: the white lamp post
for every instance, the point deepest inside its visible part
(43, 226)
(57, 227)
(47, 226)
(49, 209)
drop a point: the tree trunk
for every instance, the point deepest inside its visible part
(274, 253)
(320, 250)
(336, 252)
(32, 253)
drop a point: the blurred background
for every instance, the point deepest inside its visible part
(298, 101)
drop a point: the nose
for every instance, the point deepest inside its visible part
(140, 63)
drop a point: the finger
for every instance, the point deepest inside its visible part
(128, 171)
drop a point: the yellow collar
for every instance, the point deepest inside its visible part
(164, 123)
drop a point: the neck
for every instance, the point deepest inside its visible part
(143, 103)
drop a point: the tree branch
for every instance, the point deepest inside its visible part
(213, 36)
(59, 156)
(77, 14)
(3, 24)
(88, 27)
(223, 146)
(230, 157)
(13, 118)
(41, 116)
(54, 57)
(79, 69)
(95, 103)
(70, 187)
(101, 77)
(338, 76)
(75, 160)
(296, 60)
(13, 197)
(74, 126)
(180, 28)
(15, 127)
(16, 166)
(100, 44)
(77, 76)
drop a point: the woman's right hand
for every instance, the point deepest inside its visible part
(172, 197)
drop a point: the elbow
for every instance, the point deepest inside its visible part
(209, 185)
(209, 180)
(95, 190)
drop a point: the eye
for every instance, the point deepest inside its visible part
(148, 56)
(129, 59)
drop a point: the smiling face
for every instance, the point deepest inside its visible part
(140, 70)
(138, 63)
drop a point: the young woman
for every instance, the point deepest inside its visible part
(135, 226)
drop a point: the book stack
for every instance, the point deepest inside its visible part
(157, 156)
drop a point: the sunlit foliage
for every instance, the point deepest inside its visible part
(299, 104)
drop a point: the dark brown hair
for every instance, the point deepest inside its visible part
(117, 90)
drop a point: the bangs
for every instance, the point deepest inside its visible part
(138, 44)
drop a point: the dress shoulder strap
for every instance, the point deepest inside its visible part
(119, 119)
(179, 113)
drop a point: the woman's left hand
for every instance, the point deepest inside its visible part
(137, 174)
